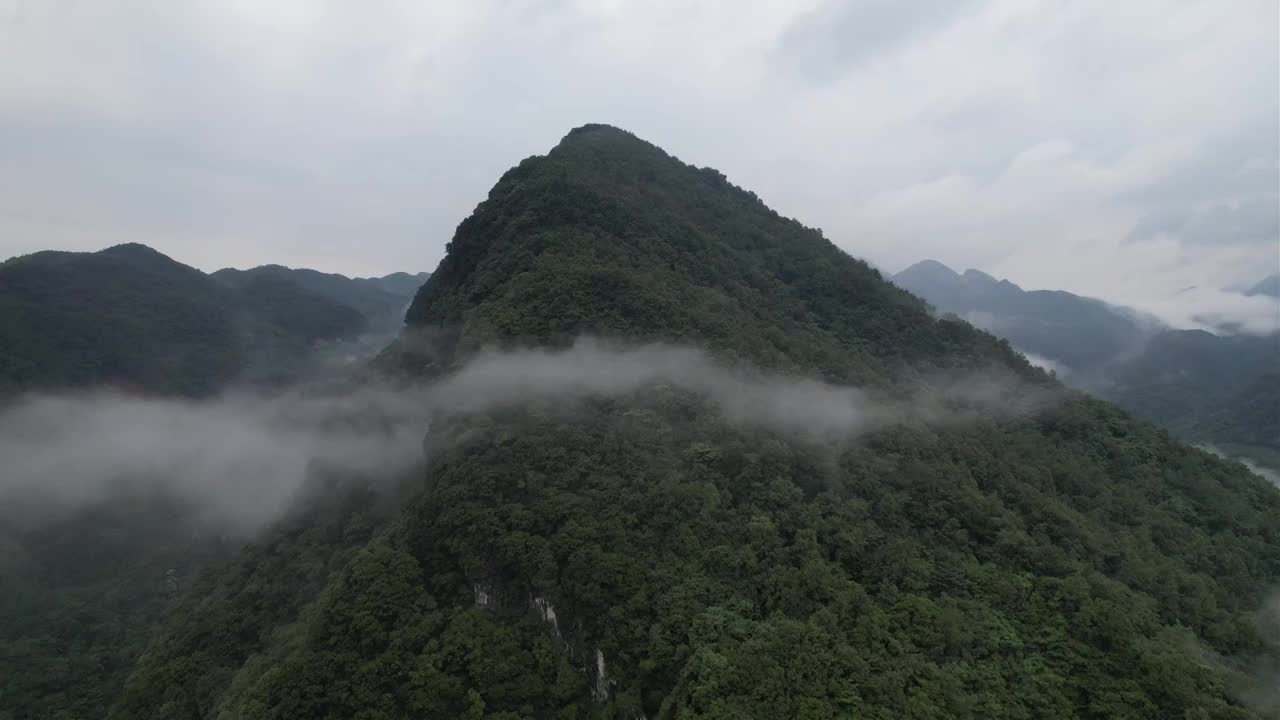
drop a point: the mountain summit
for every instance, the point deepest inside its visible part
(646, 554)
(609, 235)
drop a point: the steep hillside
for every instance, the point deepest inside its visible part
(1182, 376)
(646, 555)
(84, 580)
(81, 592)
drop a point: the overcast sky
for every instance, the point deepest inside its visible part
(1125, 150)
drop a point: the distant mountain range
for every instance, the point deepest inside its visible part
(1078, 334)
(1214, 388)
(381, 301)
(131, 317)
(1270, 285)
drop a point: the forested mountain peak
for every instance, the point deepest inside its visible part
(135, 250)
(945, 283)
(126, 256)
(930, 266)
(609, 235)
(131, 317)
(647, 554)
(126, 315)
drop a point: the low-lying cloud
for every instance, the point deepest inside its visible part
(1218, 311)
(1266, 473)
(241, 457)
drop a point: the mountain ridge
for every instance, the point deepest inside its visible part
(1194, 382)
(131, 317)
(1084, 334)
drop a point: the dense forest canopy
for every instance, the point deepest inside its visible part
(645, 555)
(132, 318)
(85, 574)
(380, 301)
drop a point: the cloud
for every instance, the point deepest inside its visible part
(1266, 473)
(243, 457)
(1218, 311)
(834, 37)
(1096, 147)
(1255, 220)
(1045, 363)
(239, 458)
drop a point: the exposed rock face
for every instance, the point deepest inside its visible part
(576, 646)
(571, 636)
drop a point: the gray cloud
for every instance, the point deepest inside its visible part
(243, 457)
(834, 37)
(1254, 220)
(1083, 146)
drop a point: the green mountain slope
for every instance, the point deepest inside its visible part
(84, 581)
(126, 315)
(381, 301)
(1183, 377)
(131, 317)
(645, 556)
(1252, 417)
(81, 593)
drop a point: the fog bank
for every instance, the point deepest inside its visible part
(242, 456)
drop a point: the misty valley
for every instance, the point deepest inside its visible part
(638, 447)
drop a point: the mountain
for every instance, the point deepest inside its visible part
(649, 554)
(381, 301)
(126, 315)
(81, 592)
(1207, 388)
(85, 576)
(1192, 382)
(401, 284)
(1083, 335)
(133, 318)
(1270, 285)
